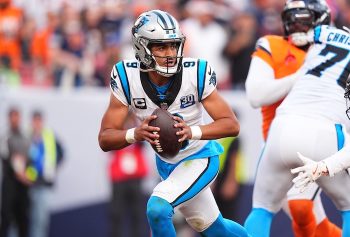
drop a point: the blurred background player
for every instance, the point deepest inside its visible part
(14, 194)
(127, 170)
(309, 120)
(45, 154)
(273, 72)
(153, 81)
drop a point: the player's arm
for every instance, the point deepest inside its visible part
(225, 123)
(112, 136)
(311, 170)
(338, 162)
(262, 88)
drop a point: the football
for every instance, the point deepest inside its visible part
(167, 145)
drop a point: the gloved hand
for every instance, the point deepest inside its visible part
(308, 173)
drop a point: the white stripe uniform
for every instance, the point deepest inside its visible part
(186, 103)
(263, 89)
(185, 184)
(311, 121)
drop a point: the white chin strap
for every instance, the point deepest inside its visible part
(166, 71)
(299, 39)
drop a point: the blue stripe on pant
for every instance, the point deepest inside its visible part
(205, 178)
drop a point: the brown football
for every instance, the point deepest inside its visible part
(167, 144)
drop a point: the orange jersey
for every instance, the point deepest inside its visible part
(10, 23)
(40, 45)
(285, 59)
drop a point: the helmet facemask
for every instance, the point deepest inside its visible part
(297, 22)
(347, 97)
(156, 28)
(176, 60)
(300, 16)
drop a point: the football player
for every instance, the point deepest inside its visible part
(161, 77)
(273, 71)
(338, 162)
(309, 120)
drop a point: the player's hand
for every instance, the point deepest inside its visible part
(309, 172)
(144, 132)
(185, 132)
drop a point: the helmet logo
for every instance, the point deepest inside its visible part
(141, 22)
(212, 79)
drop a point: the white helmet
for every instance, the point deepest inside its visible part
(156, 26)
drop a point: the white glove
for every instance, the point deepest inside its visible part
(308, 173)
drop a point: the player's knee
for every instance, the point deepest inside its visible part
(198, 223)
(301, 211)
(159, 209)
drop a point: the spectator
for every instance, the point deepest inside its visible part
(14, 194)
(268, 17)
(343, 16)
(201, 30)
(8, 76)
(43, 50)
(10, 23)
(240, 46)
(27, 33)
(45, 155)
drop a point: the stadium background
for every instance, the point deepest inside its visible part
(67, 49)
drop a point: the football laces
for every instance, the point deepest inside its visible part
(158, 146)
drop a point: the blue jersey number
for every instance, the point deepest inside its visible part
(189, 64)
(339, 55)
(133, 65)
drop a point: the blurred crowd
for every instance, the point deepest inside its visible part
(70, 44)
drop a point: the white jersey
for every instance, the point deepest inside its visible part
(195, 83)
(320, 91)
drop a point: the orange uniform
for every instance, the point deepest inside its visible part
(10, 23)
(285, 59)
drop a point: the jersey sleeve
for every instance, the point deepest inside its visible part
(206, 79)
(116, 86)
(318, 34)
(263, 50)
(339, 161)
(261, 86)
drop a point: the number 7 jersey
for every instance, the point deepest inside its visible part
(320, 91)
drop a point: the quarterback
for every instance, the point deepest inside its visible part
(161, 77)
